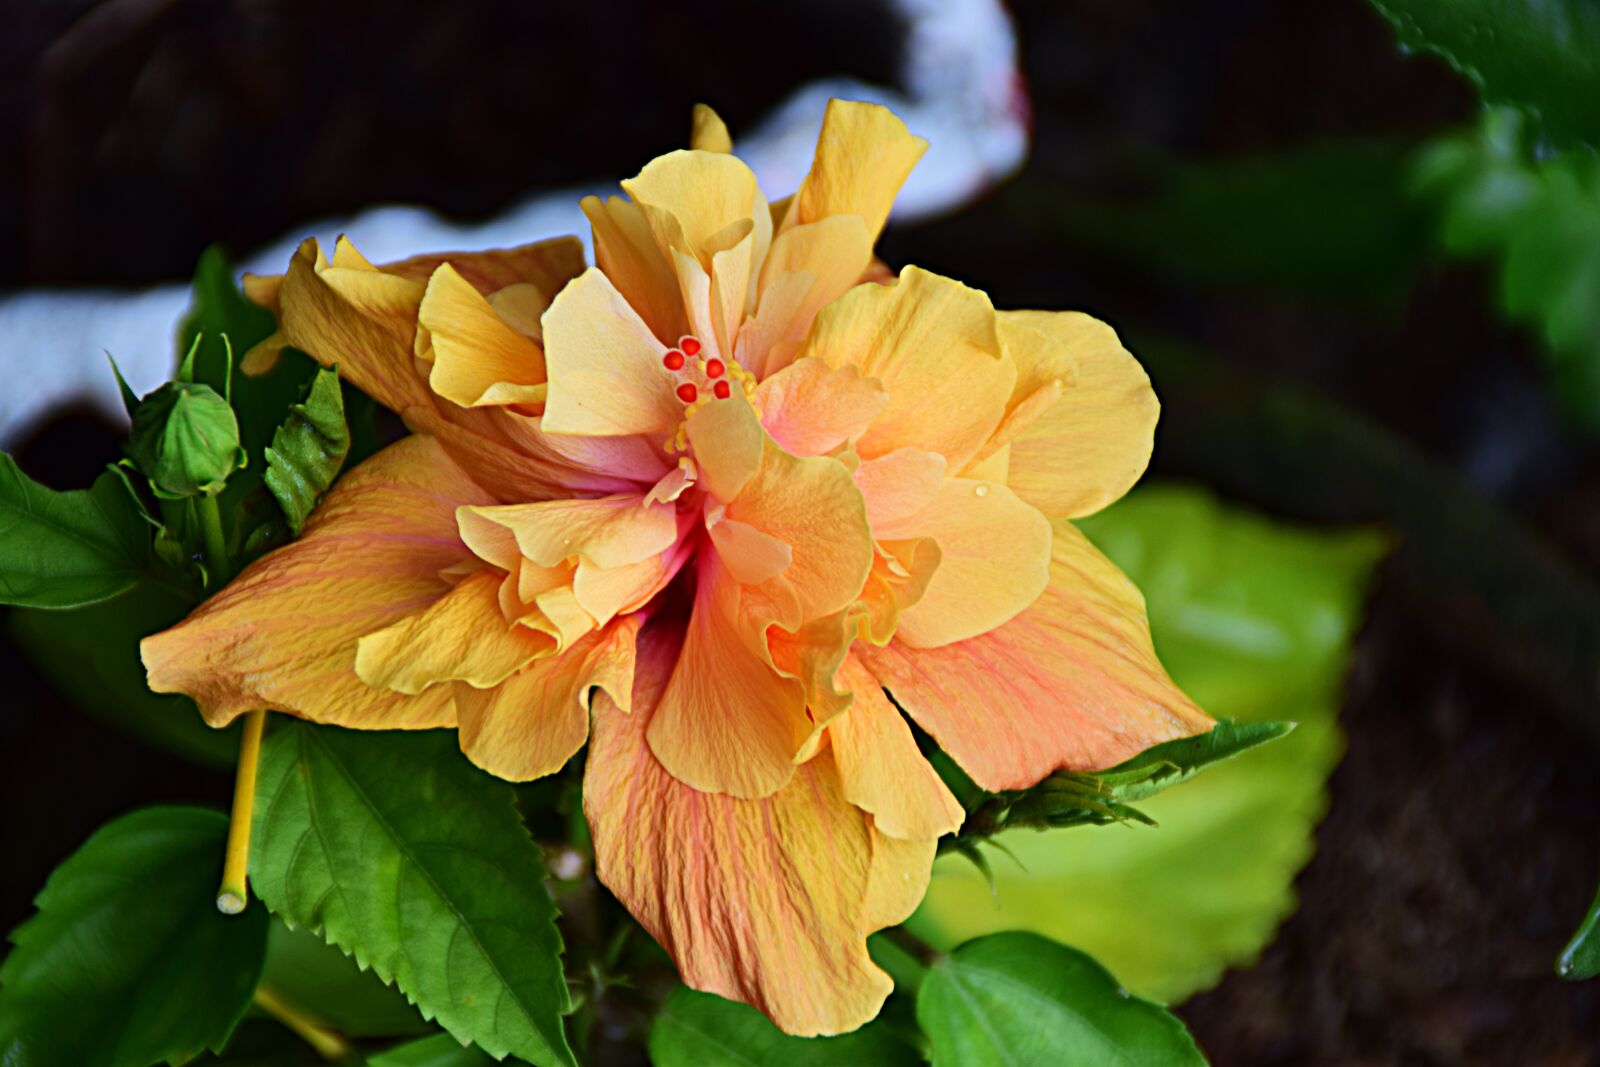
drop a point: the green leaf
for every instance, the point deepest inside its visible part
(409, 858)
(1580, 960)
(1253, 619)
(65, 550)
(128, 962)
(440, 1050)
(1018, 998)
(307, 971)
(1540, 56)
(701, 1030)
(308, 450)
(92, 656)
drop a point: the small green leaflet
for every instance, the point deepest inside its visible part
(1580, 960)
(407, 857)
(1541, 56)
(128, 962)
(65, 550)
(1018, 998)
(701, 1030)
(308, 450)
(440, 1050)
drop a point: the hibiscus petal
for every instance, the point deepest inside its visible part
(932, 343)
(545, 265)
(1073, 683)
(606, 377)
(764, 901)
(881, 769)
(608, 532)
(863, 156)
(531, 724)
(811, 408)
(462, 636)
(899, 879)
(994, 561)
(477, 357)
(689, 198)
(899, 484)
(807, 268)
(283, 634)
(708, 133)
(355, 316)
(627, 252)
(1093, 444)
(727, 722)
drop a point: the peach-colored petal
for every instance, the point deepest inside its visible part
(807, 268)
(880, 768)
(932, 343)
(355, 316)
(901, 571)
(606, 532)
(811, 408)
(533, 722)
(477, 357)
(765, 901)
(545, 265)
(283, 634)
(899, 484)
(626, 251)
(692, 201)
(750, 555)
(461, 637)
(604, 365)
(1093, 444)
(708, 133)
(727, 721)
(994, 561)
(1072, 683)
(864, 154)
(728, 446)
(899, 879)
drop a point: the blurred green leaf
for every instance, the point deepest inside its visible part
(92, 656)
(701, 1030)
(67, 549)
(307, 971)
(462, 904)
(1540, 221)
(1580, 960)
(128, 962)
(1253, 619)
(1018, 998)
(308, 449)
(1541, 56)
(1323, 221)
(440, 1050)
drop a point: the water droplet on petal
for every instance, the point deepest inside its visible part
(983, 489)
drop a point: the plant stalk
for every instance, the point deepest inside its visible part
(234, 892)
(329, 1045)
(218, 567)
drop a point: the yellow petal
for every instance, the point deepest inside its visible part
(478, 358)
(607, 532)
(807, 268)
(461, 637)
(881, 769)
(357, 317)
(811, 408)
(545, 265)
(899, 879)
(1093, 444)
(863, 156)
(932, 343)
(994, 561)
(283, 634)
(750, 555)
(728, 446)
(709, 133)
(626, 251)
(532, 723)
(690, 198)
(764, 901)
(606, 376)
(1073, 683)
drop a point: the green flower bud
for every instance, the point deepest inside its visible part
(185, 439)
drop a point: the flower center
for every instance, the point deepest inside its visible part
(702, 381)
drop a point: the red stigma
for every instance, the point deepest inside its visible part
(690, 346)
(722, 390)
(687, 392)
(673, 360)
(714, 368)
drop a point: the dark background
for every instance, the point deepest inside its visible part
(1464, 835)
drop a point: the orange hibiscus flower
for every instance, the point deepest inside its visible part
(740, 502)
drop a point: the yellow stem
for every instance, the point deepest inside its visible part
(233, 894)
(329, 1045)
